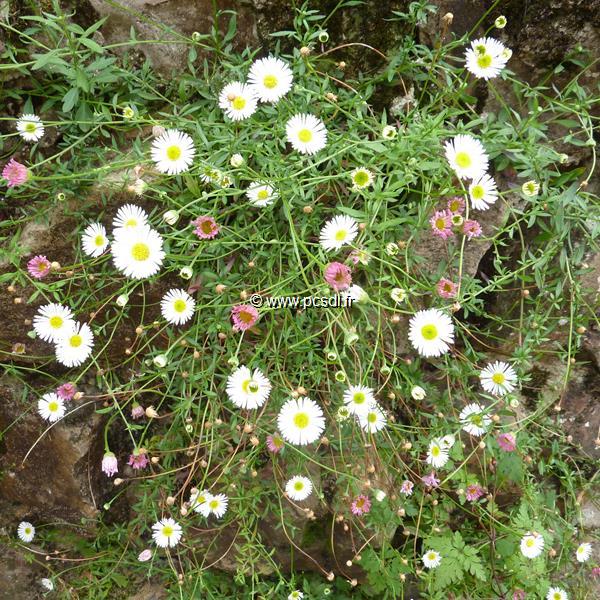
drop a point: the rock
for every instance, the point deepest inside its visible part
(150, 591)
(20, 578)
(590, 510)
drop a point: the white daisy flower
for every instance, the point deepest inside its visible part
(298, 488)
(358, 399)
(246, 389)
(306, 133)
(295, 595)
(238, 100)
(301, 421)
(447, 442)
(431, 332)
(556, 593)
(173, 152)
(30, 128)
(532, 544)
(583, 552)
(51, 321)
(47, 584)
(218, 505)
(338, 232)
(531, 188)
(474, 420)
(199, 502)
(130, 217)
(26, 531)
(177, 306)
(431, 559)
(271, 78)
(486, 58)
(372, 420)
(498, 378)
(417, 392)
(166, 533)
(467, 156)
(483, 192)
(261, 194)
(74, 348)
(94, 240)
(51, 407)
(437, 455)
(361, 178)
(138, 254)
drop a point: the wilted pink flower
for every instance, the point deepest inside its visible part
(205, 227)
(359, 256)
(456, 205)
(38, 267)
(596, 572)
(361, 505)
(474, 492)
(507, 441)
(472, 229)
(338, 276)
(275, 443)
(446, 288)
(407, 487)
(430, 480)
(137, 411)
(66, 391)
(109, 464)
(519, 595)
(243, 316)
(441, 224)
(15, 173)
(145, 555)
(138, 460)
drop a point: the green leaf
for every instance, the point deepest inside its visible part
(70, 99)
(92, 45)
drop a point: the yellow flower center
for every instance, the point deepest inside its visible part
(429, 332)
(131, 222)
(529, 543)
(99, 240)
(372, 417)
(557, 596)
(249, 385)
(52, 407)
(361, 178)
(167, 531)
(30, 127)
(238, 103)
(476, 420)
(440, 223)
(75, 341)
(56, 322)
(173, 152)
(301, 420)
(179, 305)
(359, 398)
(270, 81)
(263, 195)
(477, 192)
(484, 61)
(435, 451)
(463, 160)
(305, 135)
(213, 504)
(140, 251)
(298, 486)
(340, 235)
(431, 556)
(498, 378)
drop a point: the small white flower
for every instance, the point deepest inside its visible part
(389, 132)
(52, 321)
(51, 407)
(246, 389)
(166, 533)
(474, 420)
(301, 421)
(271, 79)
(173, 152)
(261, 194)
(47, 584)
(447, 442)
(556, 593)
(483, 192)
(298, 488)
(30, 128)
(431, 559)
(372, 420)
(498, 378)
(467, 156)
(338, 232)
(306, 133)
(238, 100)
(139, 253)
(398, 295)
(199, 502)
(217, 505)
(130, 217)
(531, 188)
(122, 300)
(583, 552)
(486, 58)
(437, 456)
(431, 332)
(186, 272)
(380, 495)
(177, 306)
(75, 347)
(356, 294)
(26, 531)
(94, 240)
(295, 595)
(532, 544)
(361, 178)
(236, 160)
(500, 22)
(145, 555)
(359, 399)
(171, 217)
(417, 392)
(160, 361)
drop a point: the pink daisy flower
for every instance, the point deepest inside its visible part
(338, 276)
(446, 288)
(519, 595)
(15, 173)
(275, 443)
(137, 411)
(243, 316)
(441, 224)
(138, 460)
(206, 227)
(361, 505)
(507, 441)
(38, 267)
(472, 229)
(407, 487)
(456, 205)
(430, 480)
(66, 391)
(474, 492)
